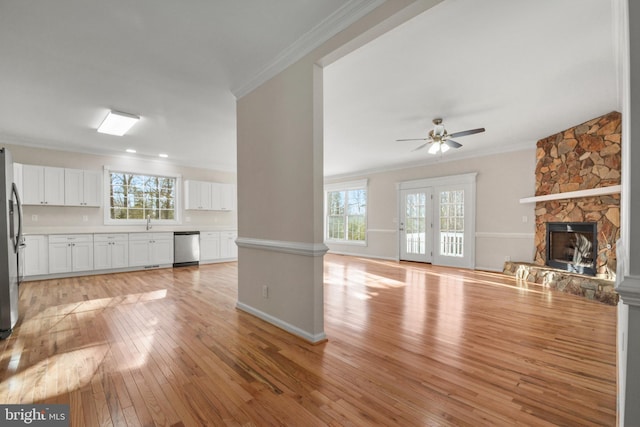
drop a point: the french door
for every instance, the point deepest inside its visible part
(416, 225)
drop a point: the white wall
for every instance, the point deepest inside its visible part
(69, 219)
(503, 179)
(280, 181)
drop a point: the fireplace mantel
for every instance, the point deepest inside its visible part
(601, 191)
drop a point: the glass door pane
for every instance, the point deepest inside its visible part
(415, 225)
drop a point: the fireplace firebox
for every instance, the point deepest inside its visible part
(572, 246)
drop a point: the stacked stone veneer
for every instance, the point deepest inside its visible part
(581, 158)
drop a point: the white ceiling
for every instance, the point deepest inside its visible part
(521, 69)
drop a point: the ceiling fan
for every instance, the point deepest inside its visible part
(441, 139)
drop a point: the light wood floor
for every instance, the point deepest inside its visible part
(409, 345)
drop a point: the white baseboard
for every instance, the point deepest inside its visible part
(312, 338)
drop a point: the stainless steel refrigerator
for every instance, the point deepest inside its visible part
(10, 243)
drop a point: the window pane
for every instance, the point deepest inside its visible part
(136, 196)
(346, 215)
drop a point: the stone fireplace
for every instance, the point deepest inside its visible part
(584, 157)
(574, 169)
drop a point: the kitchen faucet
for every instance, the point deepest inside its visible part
(148, 222)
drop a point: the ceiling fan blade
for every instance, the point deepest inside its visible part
(466, 132)
(421, 146)
(453, 144)
(413, 139)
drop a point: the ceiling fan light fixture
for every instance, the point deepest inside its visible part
(117, 123)
(435, 147)
(444, 147)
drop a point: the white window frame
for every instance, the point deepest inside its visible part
(107, 200)
(347, 186)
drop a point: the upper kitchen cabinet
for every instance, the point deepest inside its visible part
(42, 185)
(223, 197)
(209, 196)
(82, 187)
(197, 195)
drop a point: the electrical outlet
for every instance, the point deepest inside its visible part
(85, 218)
(265, 291)
(187, 219)
(507, 258)
(34, 218)
(525, 218)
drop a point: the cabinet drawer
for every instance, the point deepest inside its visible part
(110, 237)
(209, 235)
(150, 236)
(71, 238)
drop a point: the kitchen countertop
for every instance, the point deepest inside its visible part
(108, 229)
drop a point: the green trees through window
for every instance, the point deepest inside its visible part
(134, 196)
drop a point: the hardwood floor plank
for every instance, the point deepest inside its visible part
(409, 345)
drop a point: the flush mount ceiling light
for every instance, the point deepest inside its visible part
(130, 150)
(117, 123)
(163, 155)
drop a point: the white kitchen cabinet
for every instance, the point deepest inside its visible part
(197, 195)
(228, 247)
(150, 249)
(42, 185)
(36, 255)
(110, 251)
(209, 245)
(70, 253)
(82, 187)
(223, 197)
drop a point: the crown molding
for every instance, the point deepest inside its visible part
(349, 13)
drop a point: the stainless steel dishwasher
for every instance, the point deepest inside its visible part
(186, 248)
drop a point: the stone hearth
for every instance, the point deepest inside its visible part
(588, 287)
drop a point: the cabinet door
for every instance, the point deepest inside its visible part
(162, 251)
(102, 255)
(198, 195)
(228, 248)
(119, 254)
(54, 186)
(139, 253)
(92, 189)
(216, 196)
(60, 257)
(209, 247)
(227, 197)
(82, 256)
(36, 255)
(73, 187)
(32, 185)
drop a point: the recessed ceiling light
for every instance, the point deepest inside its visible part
(117, 123)
(163, 155)
(130, 150)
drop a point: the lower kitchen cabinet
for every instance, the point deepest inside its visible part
(70, 253)
(110, 251)
(36, 255)
(209, 245)
(150, 249)
(228, 247)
